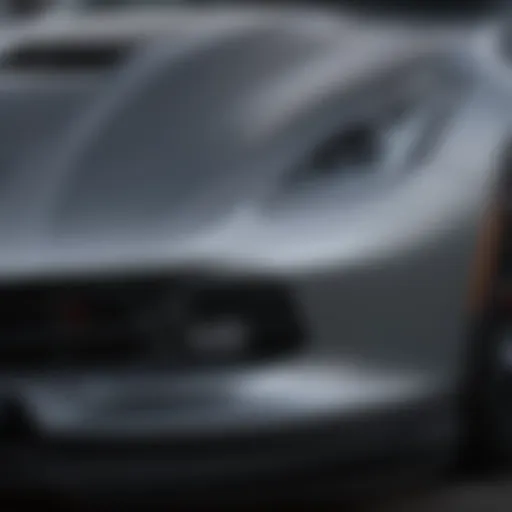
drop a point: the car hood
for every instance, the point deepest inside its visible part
(153, 137)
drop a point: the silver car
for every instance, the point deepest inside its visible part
(244, 246)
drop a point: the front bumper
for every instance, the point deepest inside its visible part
(129, 436)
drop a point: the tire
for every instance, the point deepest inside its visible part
(489, 403)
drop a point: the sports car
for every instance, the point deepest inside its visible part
(244, 246)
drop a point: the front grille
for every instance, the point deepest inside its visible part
(151, 322)
(73, 323)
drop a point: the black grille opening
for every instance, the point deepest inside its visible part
(242, 322)
(153, 323)
(83, 324)
(66, 57)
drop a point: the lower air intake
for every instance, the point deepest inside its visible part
(152, 322)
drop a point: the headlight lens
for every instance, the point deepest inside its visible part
(392, 125)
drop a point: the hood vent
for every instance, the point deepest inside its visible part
(24, 8)
(66, 57)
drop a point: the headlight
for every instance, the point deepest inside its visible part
(388, 126)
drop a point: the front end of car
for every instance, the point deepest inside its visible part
(239, 252)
